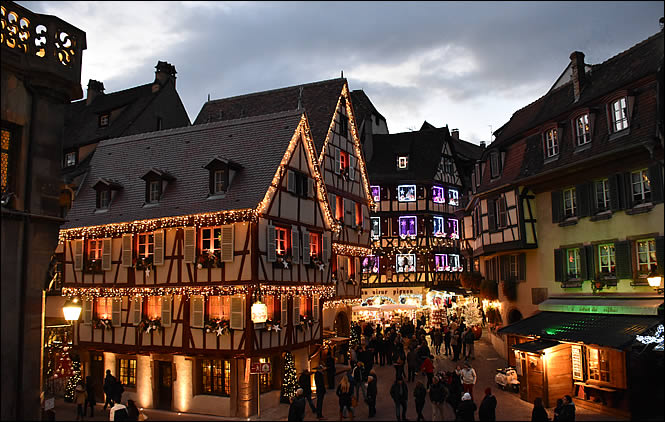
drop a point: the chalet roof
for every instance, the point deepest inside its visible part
(319, 99)
(256, 143)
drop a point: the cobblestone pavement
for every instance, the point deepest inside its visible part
(510, 407)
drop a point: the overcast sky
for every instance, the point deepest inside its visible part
(465, 64)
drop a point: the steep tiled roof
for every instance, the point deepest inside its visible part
(318, 99)
(257, 144)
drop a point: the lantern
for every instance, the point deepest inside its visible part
(72, 309)
(259, 312)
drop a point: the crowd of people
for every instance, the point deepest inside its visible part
(84, 398)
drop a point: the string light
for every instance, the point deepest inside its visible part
(351, 250)
(341, 302)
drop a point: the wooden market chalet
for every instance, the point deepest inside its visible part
(176, 234)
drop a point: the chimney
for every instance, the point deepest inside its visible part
(164, 72)
(455, 134)
(579, 74)
(482, 144)
(95, 88)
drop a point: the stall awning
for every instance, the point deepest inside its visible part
(648, 306)
(617, 331)
(536, 345)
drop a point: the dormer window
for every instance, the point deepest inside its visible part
(221, 173)
(156, 181)
(103, 199)
(582, 130)
(104, 120)
(220, 181)
(619, 110)
(155, 191)
(551, 143)
(402, 162)
(105, 190)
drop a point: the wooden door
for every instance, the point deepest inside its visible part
(164, 385)
(535, 377)
(97, 373)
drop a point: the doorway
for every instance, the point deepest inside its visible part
(97, 373)
(342, 325)
(164, 385)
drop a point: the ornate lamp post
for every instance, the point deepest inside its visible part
(72, 310)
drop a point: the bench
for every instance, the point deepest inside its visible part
(607, 399)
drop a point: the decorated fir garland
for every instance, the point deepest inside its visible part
(271, 325)
(218, 326)
(93, 265)
(282, 261)
(147, 325)
(73, 381)
(143, 263)
(209, 259)
(305, 320)
(102, 323)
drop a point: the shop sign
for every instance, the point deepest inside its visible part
(577, 362)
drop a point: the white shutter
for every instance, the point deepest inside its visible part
(295, 245)
(284, 308)
(271, 254)
(87, 310)
(116, 312)
(77, 244)
(315, 307)
(305, 246)
(310, 188)
(237, 313)
(324, 249)
(290, 181)
(126, 250)
(189, 245)
(227, 244)
(166, 311)
(338, 160)
(107, 246)
(352, 167)
(296, 310)
(196, 311)
(138, 314)
(333, 204)
(158, 257)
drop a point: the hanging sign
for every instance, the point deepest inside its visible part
(577, 362)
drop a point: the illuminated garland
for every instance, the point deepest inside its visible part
(341, 302)
(350, 250)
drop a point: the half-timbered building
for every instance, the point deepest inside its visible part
(175, 238)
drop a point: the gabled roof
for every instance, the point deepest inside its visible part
(363, 106)
(318, 99)
(256, 143)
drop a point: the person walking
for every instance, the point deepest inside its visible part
(557, 410)
(330, 369)
(420, 393)
(469, 339)
(455, 396)
(90, 390)
(400, 395)
(446, 340)
(345, 394)
(463, 340)
(132, 411)
(466, 408)
(297, 407)
(567, 410)
(413, 363)
(398, 360)
(320, 383)
(454, 342)
(109, 383)
(539, 414)
(80, 398)
(305, 382)
(469, 378)
(358, 384)
(438, 340)
(487, 409)
(371, 395)
(428, 368)
(437, 395)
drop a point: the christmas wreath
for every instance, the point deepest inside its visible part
(147, 325)
(209, 259)
(217, 326)
(102, 323)
(93, 265)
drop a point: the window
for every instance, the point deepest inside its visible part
(646, 256)
(407, 226)
(606, 259)
(453, 228)
(154, 308)
(265, 380)
(573, 262)
(477, 173)
(641, 186)
(343, 125)
(103, 199)
(441, 262)
(104, 120)
(127, 372)
(219, 307)
(218, 176)
(619, 113)
(303, 308)
(599, 365)
(453, 197)
(94, 249)
(501, 216)
(211, 239)
(146, 245)
(281, 240)
(478, 223)
(551, 143)
(359, 215)
(376, 227)
(220, 181)
(582, 133)
(569, 206)
(406, 193)
(494, 164)
(513, 266)
(602, 188)
(448, 165)
(406, 263)
(104, 307)
(439, 227)
(438, 195)
(402, 162)
(339, 208)
(270, 304)
(155, 190)
(343, 160)
(376, 193)
(370, 264)
(6, 157)
(70, 159)
(216, 377)
(453, 261)
(315, 244)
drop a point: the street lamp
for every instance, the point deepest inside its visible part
(654, 280)
(72, 310)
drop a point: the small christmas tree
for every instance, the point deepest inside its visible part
(471, 314)
(73, 380)
(290, 379)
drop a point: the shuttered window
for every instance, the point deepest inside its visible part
(296, 310)
(640, 186)
(137, 309)
(295, 245)
(352, 167)
(237, 321)
(607, 259)
(646, 256)
(573, 262)
(94, 249)
(227, 243)
(281, 240)
(602, 194)
(127, 245)
(325, 248)
(77, 245)
(166, 311)
(107, 249)
(189, 245)
(284, 310)
(116, 312)
(219, 307)
(271, 247)
(87, 310)
(197, 314)
(104, 307)
(146, 245)
(307, 246)
(159, 236)
(569, 203)
(338, 160)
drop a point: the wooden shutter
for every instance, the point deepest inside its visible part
(284, 309)
(315, 307)
(349, 210)
(196, 311)
(491, 212)
(87, 310)
(559, 261)
(290, 181)
(333, 204)
(324, 248)
(582, 198)
(127, 250)
(116, 312)
(630, 102)
(586, 263)
(295, 245)
(557, 206)
(137, 303)
(166, 311)
(310, 188)
(660, 254)
(189, 245)
(352, 167)
(338, 160)
(656, 182)
(615, 194)
(521, 264)
(227, 244)
(305, 247)
(237, 313)
(622, 251)
(158, 257)
(271, 253)
(627, 191)
(107, 246)
(296, 310)
(78, 254)
(504, 267)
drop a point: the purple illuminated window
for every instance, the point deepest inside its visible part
(371, 264)
(453, 228)
(376, 192)
(407, 226)
(438, 195)
(441, 262)
(438, 227)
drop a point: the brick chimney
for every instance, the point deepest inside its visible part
(95, 88)
(164, 72)
(579, 74)
(455, 134)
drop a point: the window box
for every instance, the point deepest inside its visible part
(148, 325)
(571, 221)
(640, 209)
(316, 263)
(209, 259)
(101, 323)
(305, 321)
(605, 215)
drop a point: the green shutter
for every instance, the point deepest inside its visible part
(627, 191)
(558, 264)
(557, 206)
(660, 252)
(623, 260)
(582, 194)
(656, 182)
(587, 254)
(615, 192)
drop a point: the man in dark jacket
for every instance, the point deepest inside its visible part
(305, 382)
(568, 409)
(437, 395)
(400, 395)
(446, 339)
(413, 362)
(320, 382)
(466, 408)
(487, 410)
(371, 395)
(109, 382)
(330, 369)
(297, 407)
(419, 394)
